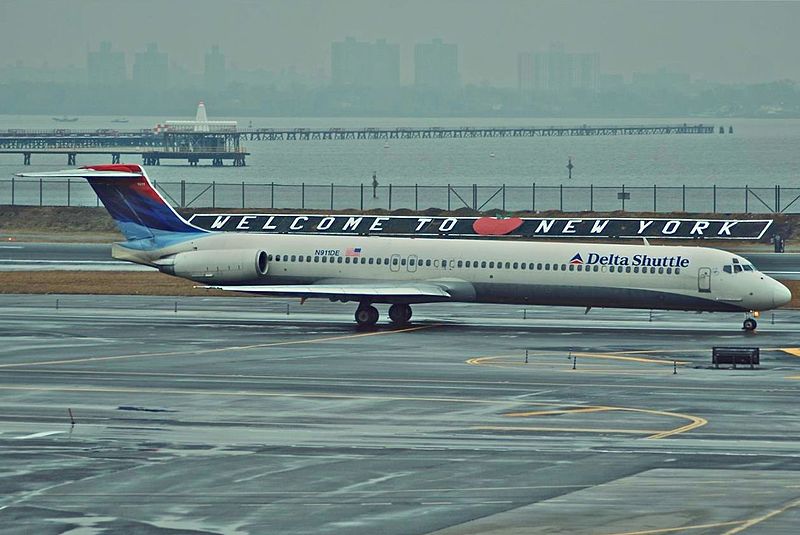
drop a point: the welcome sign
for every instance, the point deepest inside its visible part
(475, 227)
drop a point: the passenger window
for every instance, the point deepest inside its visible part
(316, 259)
(636, 269)
(269, 258)
(628, 269)
(530, 266)
(508, 265)
(653, 270)
(294, 258)
(371, 261)
(378, 261)
(661, 271)
(411, 262)
(547, 267)
(300, 258)
(499, 265)
(402, 261)
(539, 266)
(428, 263)
(669, 271)
(468, 264)
(677, 271)
(339, 260)
(596, 269)
(522, 265)
(491, 265)
(483, 264)
(395, 261)
(347, 260)
(563, 267)
(612, 269)
(580, 267)
(308, 259)
(460, 263)
(571, 267)
(386, 261)
(363, 260)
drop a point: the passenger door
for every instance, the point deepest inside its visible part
(704, 280)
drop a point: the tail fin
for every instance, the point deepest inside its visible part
(138, 209)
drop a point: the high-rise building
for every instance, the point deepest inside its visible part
(436, 66)
(215, 73)
(556, 70)
(361, 64)
(105, 67)
(151, 68)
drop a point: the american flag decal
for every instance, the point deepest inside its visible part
(353, 251)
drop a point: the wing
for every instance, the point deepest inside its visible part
(416, 291)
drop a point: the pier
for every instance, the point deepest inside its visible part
(225, 145)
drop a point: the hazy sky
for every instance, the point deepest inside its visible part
(729, 41)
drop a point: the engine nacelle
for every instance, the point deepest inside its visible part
(230, 265)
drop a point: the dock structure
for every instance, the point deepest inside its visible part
(153, 147)
(219, 146)
(435, 132)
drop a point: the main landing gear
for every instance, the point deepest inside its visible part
(749, 325)
(367, 315)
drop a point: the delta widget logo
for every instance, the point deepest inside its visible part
(576, 260)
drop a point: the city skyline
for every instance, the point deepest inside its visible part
(728, 42)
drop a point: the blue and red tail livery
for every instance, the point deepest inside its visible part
(138, 209)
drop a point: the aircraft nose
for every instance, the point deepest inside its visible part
(781, 295)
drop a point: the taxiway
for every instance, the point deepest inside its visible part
(237, 415)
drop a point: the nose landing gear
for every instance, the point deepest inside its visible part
(749, 325)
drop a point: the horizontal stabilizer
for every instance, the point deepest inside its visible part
(80, 173)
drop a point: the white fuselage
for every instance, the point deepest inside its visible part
(504, 271)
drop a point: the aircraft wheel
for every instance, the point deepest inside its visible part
(400, 314)
(749, 324)
(366, 316)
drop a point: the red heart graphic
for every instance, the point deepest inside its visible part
(491, 226)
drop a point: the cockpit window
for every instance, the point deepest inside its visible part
(727, 269)
(737, 268)
(748, 267)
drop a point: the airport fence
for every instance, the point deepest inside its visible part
(533, 197)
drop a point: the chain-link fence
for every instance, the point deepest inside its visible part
(532, 197)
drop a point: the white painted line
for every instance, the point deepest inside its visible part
(11, 247)
(39, 435)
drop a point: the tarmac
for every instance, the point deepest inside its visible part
(240, 415)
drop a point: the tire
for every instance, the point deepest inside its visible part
(749, 324)
(366, 316)
(400, 314)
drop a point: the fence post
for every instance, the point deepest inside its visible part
(213, 194)
(362, 197)
(183, 193)
(331, 196)
(654, 198)
(591, 197)
(777, 198)
(390, 197)
(474, 196)
(746, 198)
(714, 189)
(533, 197)
(303, 196)
(69, 183)
(40, 192)
(416, 197)
(272, 194)
(683, 188)
(623, 197)
(13, 183)
(242, 193)
(561, 197)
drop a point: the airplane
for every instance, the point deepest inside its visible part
(401, 272)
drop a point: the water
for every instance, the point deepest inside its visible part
(759, 154)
